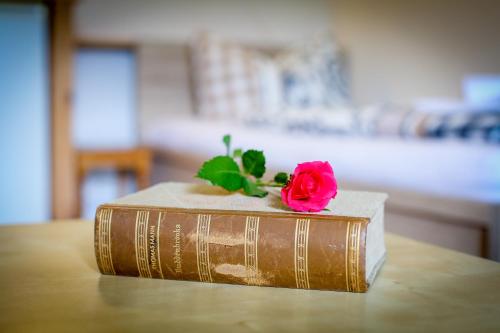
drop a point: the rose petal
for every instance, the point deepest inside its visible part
(311, 187)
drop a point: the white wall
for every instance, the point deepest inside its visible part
(260, 22)
(403, 50)
(398, 50)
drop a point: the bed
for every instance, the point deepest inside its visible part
(445, 192)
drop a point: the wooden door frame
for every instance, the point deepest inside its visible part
(64, 180)
(65, 188)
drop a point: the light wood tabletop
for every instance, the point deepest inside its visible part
(49, 282)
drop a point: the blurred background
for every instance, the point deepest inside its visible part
(101, 98)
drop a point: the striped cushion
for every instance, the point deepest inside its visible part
(226, 77)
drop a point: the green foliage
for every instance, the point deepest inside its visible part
(281, 178)
(222, 171)
(252, 189)
(237, 153)
(226, 139)
(254, 163)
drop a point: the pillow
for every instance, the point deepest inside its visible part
(320, 121)
(390, 119)
(234, 81)
(313, 75)
(270, 90)
(226, 78)
(396, 120)
(484, 126)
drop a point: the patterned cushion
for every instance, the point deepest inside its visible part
(313, 75)
(409, 122)
(340, 121)
(386, 119)
(232, 80)
(477, 126)
(320, 121)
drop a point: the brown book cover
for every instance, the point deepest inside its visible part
(202, 233)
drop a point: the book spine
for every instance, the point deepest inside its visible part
(278, 250)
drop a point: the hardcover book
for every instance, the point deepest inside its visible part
(195, 232)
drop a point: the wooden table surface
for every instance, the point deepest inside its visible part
(49, 282)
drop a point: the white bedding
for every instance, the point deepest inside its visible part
(447, 168)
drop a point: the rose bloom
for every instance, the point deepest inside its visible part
(310, 188)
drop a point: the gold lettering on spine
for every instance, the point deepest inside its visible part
(177, 249)
(141, 243)
(158, 244)
(347, 256)
(353, 235)
(104, 241)
(251, 258)
(202, 250)
(301, 253)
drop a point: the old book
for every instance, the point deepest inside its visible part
(203, 233)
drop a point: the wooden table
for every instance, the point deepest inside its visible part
(49, 282)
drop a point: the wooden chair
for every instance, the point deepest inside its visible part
(136, 161)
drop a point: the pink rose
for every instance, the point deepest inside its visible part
(310, 188)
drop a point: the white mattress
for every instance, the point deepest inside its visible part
(455, 169)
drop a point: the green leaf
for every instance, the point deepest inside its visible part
(227, 142)
(254, 163)
(252, 189)
(237, 153)
(281, 178)
(222, 171)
